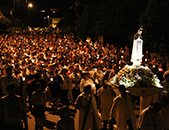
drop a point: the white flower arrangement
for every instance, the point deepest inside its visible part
(136, 76)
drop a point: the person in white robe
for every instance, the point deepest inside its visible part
(105, 100)
(87, 110)
(122, 112)
(98, 76)
(66, 88)
(75, 78)
(165, 83)
(150, 118)
(87, 81)
(164, 110)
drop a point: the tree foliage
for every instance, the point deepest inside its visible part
(111, 18)
(4, 22)
(155, 21)
(9, 23)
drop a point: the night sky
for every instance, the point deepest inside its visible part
(39, 3)
(35, 15)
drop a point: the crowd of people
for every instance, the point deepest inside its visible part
(42, 65)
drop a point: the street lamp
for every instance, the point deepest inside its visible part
(48, 20)
(30, 5)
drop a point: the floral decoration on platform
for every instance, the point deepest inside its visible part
(136, 76)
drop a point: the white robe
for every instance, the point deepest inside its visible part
(122, 110)
(149, 120)
(84, 83)
(98, 76)
(165, 117)
(80, 104)
(106, 101)
(67, 85)
(145, 101)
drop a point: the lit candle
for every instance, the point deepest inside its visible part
(23, 78)
(51, 79)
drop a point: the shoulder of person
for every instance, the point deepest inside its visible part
(17, 96)
(117, 98)
(59, 121)
(100, 89)
(81, 95)
(3, 77)
(145, 111)
(34, 93)
(3, 98)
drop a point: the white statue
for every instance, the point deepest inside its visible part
(137, 51)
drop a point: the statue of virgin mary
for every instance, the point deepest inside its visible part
(137, 51)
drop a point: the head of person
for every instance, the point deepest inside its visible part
(98, 67)
(37, 76)
(9, 71)
(75, 71)
(38, 67)
(122, 90)
(65, 112)
(31, 70)
(166, 77)
(155, 106)
(64, 71)
(38, 87)
(23, 71)
(87, 89)
(11, 89)
(163, 98)
(56, 72)
(105, 85)
(150, 66)
(50, 67)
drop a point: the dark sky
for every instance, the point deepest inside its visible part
(39, 3)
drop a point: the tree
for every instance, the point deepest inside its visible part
(4, 23)
(155, 21)
(111, 18)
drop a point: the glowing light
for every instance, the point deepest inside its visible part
(30, 5)
(51, 79)
(23, 78)
(159, 69)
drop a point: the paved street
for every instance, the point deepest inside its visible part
(52, 117)
(50, 120)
